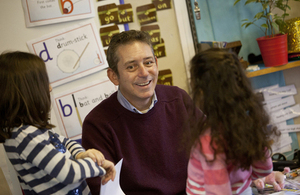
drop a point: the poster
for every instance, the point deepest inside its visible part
(71, 107)
(42, 12)
(70, 53)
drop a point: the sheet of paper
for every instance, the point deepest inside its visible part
(72, 106)
(70, 53)
(113, 187)
(41, 12)
(279, 104)
(285, 114)
(260, 90)
(284, 128)
(279, 92)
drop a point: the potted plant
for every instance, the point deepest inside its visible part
(273, 46)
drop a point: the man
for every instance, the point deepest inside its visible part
(142, 122)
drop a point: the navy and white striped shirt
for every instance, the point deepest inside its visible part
(43, 168)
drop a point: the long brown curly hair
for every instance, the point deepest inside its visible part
(239, 124)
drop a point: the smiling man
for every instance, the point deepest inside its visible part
(142, 122)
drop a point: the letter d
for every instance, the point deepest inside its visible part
(45, 50)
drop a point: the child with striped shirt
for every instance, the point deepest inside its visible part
(45, 162)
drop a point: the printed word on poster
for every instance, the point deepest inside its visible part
(42, 12)
(70, 53)
(71, 107)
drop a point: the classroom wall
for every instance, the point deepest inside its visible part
(178, 42)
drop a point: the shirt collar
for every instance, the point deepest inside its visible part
(124, 102)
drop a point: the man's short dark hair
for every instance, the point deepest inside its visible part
(123, 38)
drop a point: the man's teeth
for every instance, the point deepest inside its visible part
(143, 84)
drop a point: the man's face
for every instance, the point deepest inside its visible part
(138, 73)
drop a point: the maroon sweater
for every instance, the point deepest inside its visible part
(148, 143)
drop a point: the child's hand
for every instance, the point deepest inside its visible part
(110, 171)
(94, 154)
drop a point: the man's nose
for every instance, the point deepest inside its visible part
(143, 71)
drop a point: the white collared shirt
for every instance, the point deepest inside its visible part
(125, 103)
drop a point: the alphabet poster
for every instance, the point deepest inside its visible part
(42, 12)
(71, 107)
(70, 53)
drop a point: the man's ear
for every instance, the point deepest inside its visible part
(113, 77)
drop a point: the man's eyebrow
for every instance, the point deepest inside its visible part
(130, 62)
(150, 57)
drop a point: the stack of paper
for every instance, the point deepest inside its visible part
(279, 102)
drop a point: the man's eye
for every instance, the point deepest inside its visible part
(149, 63)
(131, 67)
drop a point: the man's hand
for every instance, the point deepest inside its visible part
(110, 171)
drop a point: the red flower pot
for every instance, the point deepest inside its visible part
(274, 50)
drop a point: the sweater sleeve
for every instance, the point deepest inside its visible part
(203, 176)
(42, 154)
(262, 168)
(73, 146)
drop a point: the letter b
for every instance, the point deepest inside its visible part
(63, 108)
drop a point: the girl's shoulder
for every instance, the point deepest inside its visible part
(27, 131)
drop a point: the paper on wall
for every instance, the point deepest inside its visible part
(70, 53)
(279, 92)
(43, 12)
(72, 106)
(260, 90)
(284, 128)
(285, 114)
(279, 104)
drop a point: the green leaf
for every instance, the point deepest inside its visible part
(259, 15)
(248, 24)
(265, 6)
(236, 2)
(245, 20)
(284, 15)
(250, 1)
(275, 26)
(265, 26)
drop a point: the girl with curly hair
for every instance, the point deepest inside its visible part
(232, 145)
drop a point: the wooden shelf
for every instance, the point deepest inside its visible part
(273, 69)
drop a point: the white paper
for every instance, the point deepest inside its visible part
(288, 128)
(42, 12)
(70, 53)
(279, 104)
(287, 148)
(282, 143)
(260, 90)
(285, 114)
(279, 92)
(72, 106)
(113, 187)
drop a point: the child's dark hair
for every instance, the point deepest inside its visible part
(235, 114)
(25, 96)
